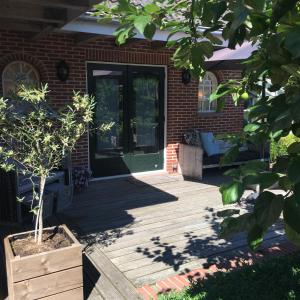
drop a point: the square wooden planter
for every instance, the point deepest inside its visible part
(190, 161)
(55, 274)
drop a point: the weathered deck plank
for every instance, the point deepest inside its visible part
(113, 274)
(152, 227)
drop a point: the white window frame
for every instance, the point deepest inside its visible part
(4, 79)
(208, 81)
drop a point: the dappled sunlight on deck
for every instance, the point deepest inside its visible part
(156, 226)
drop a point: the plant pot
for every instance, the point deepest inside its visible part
(55, 274)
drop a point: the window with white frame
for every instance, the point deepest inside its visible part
(18, 73)
(207, 85)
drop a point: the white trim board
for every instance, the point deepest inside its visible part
(88, 24)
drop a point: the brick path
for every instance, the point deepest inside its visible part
(181, 281)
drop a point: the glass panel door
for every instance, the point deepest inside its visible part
(109, 148)
(145, 114)
(146, 86)
(130, 103)
(109, 114)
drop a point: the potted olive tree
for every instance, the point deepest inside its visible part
(35, 139)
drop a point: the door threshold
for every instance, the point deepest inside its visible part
(135, 175)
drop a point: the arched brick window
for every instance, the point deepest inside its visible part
(18, 73)
(206, 86)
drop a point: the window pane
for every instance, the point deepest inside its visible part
(109, 111)
(16, 74)
(206, 87)
(145, 123)
(205, 105)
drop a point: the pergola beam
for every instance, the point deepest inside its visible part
(41, 15)
(37, 14)
(21, 26)
(37, 35)
(82, 5)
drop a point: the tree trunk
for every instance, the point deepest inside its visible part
(39, 218)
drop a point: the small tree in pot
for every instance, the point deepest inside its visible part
(35, 139)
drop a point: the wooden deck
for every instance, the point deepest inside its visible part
(138, 231)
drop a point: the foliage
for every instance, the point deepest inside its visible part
(272, 73)
(34, 138)
(265, 282)
(280, 148)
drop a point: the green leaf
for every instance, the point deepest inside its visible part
(267, 179)
(123, 34)
(281, 7)
(291, 212)
(253, 167)
(234, 172)
(292, 235)
(296, 129)
(284, 183)
(292, 41)
(197, 55)
(151, 8)
(213, 38)
(264, 179)
(251, 127)
(258, 111)
(284, 120)
(267, 209)
(240, 15)
(256, 4)
(105, 20)
(294, 169)
(149, 31)
(223, 90)
(229, 156)
(35, 210)
(231, 192)
(227, 212)
(233, 225)
(207, 48)
(124, 5)
(255, 237)
(281, 165)
(140, 23)
(294, 148)
(295, 109)
(220, 104)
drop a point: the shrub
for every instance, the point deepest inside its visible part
(35, 139)
(279, 149)
(259, 281)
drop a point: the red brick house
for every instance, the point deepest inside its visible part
(136, 86)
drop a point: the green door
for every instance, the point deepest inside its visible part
(130, 102)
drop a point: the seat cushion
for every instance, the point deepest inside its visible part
(224, 146)
(209, 143)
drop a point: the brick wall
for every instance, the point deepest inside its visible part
(45, 52)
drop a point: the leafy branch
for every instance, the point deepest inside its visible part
(272, 74)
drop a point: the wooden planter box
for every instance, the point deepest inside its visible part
(55, 274)
(190, 161)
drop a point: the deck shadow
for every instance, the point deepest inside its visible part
(90, 276)
(100, 214)
(209, 249)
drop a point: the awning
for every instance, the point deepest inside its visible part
(230, 59)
